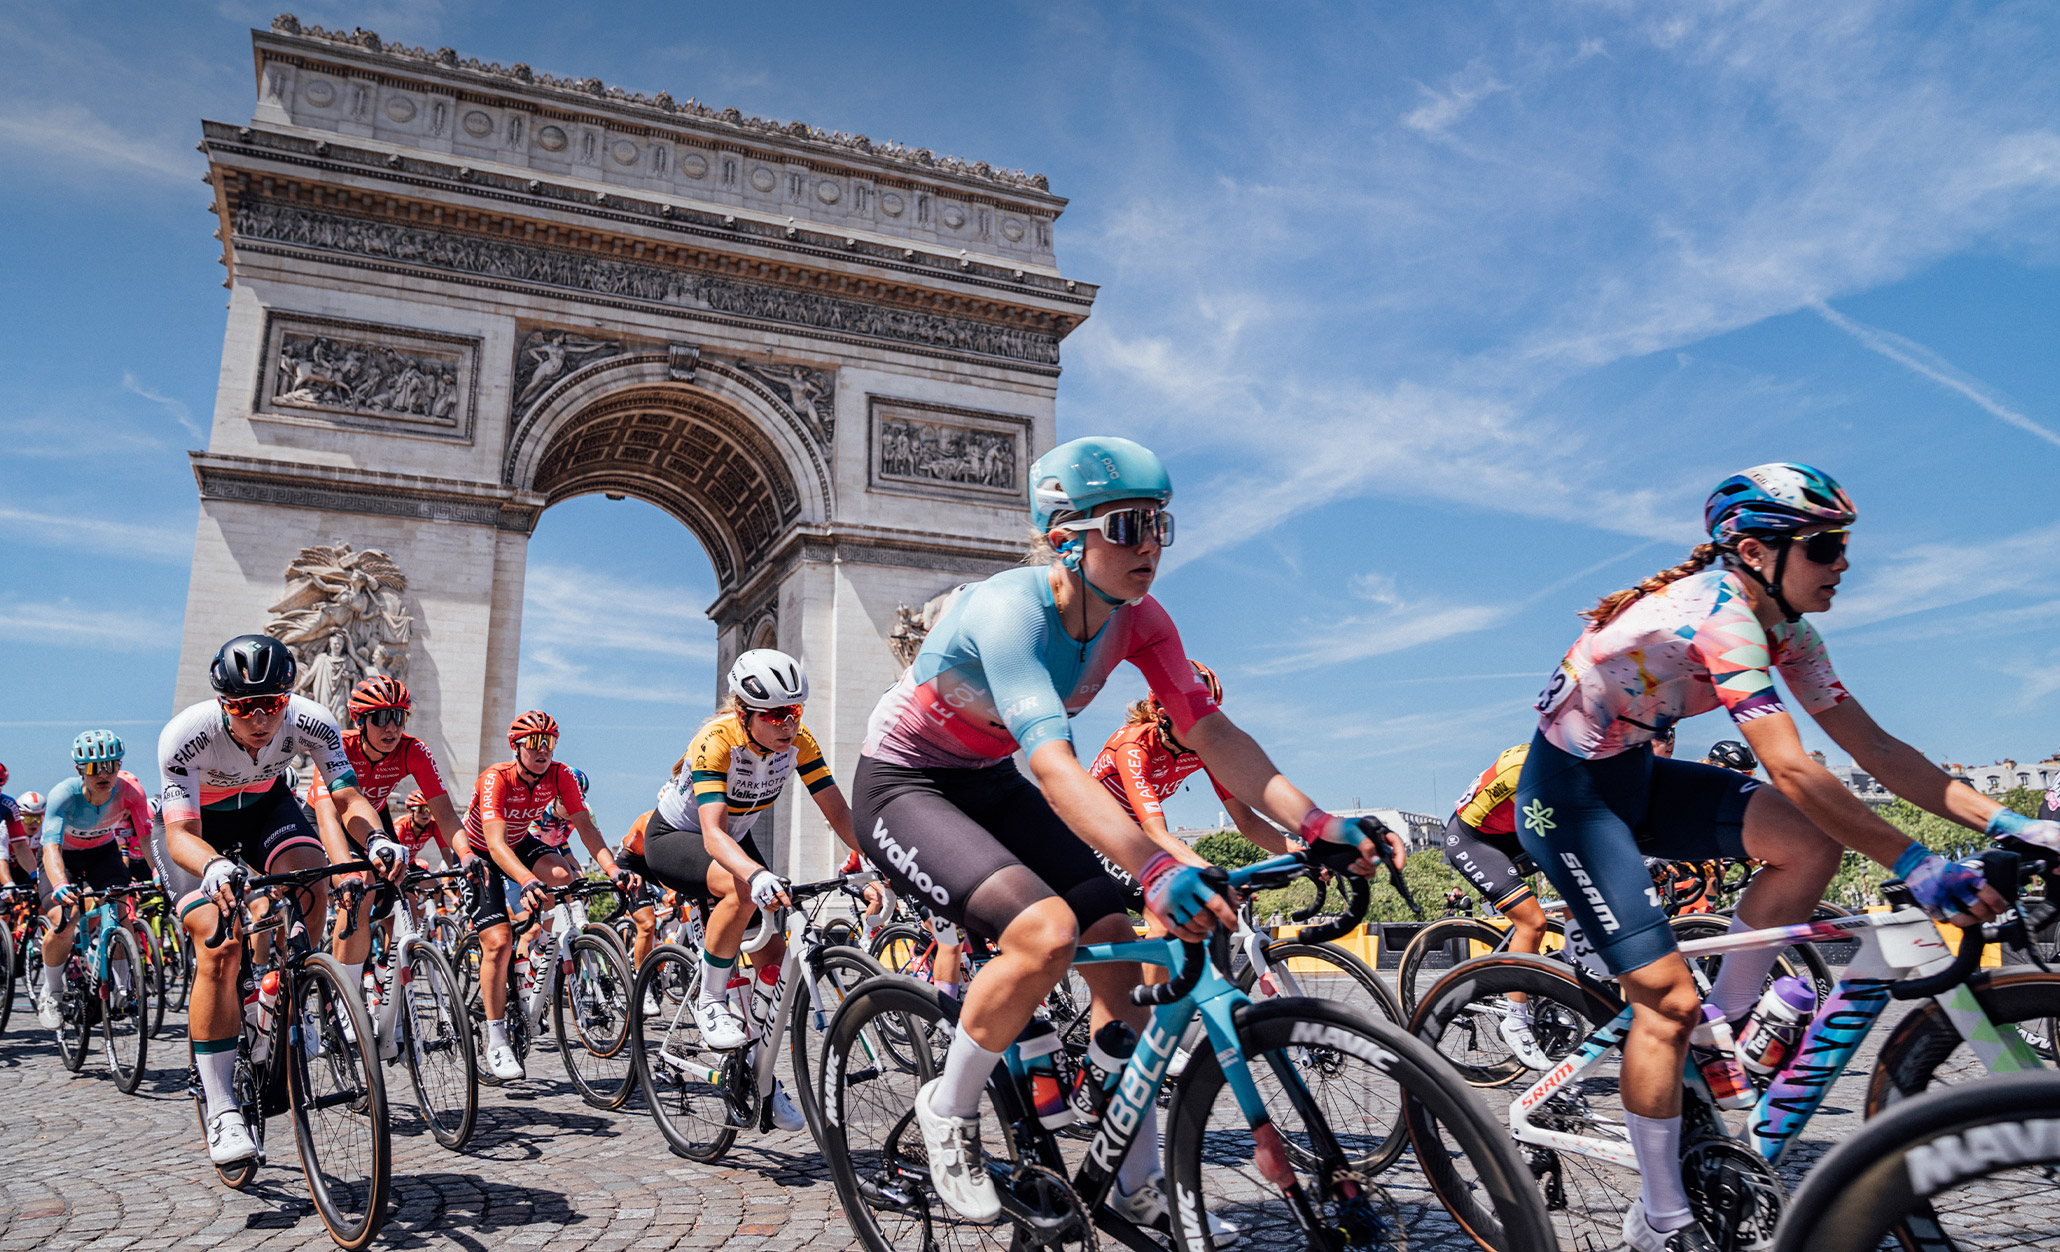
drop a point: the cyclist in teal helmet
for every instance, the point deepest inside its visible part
(941, 808)
(91, 821)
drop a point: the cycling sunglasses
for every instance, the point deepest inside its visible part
(540, 743)
(783, 713)
(1126, 528)
(253, 706)
(1826, 546)
(91, 768)
(384, 717)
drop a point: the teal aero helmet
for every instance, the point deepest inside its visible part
(1077, 476)
(96, 745)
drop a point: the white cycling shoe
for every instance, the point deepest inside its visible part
(786, 1115)
(958, 1168)
(653, 1010)
(1517, 1036)
(502, 1063)
(1639, 1236)
(721, 1026)
(228, 1139)
(1147, 1206)
(49, 1010)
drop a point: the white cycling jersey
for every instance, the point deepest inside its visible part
(204, 768)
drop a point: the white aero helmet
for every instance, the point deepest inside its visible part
(766, 678)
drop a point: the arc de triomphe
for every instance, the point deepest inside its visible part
(461, 293)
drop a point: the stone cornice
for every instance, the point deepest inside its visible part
(226, 145)
(340, 489)
(366, 51)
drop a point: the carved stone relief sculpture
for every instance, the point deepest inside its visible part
(546, 356)
(344, 619)
(354, 373)
(912, 626)
(810, 394)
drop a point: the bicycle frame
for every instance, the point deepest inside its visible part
(400, 973)
(1892, 945)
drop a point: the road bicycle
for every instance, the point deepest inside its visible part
(701, 1097)
(1248, 1138)
(421, 1015)
(18, 919)
(1987, 1153)
(167, 953)
(1570, 1124)
(103, 983)
(576, 971)
(308, 1053)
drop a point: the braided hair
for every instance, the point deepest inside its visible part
(1606, 609)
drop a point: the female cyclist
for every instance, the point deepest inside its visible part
(945, 814)
(1593, 796)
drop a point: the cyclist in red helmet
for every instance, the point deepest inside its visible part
(382, 754)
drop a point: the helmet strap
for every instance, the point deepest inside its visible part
(1773, 586)
(1069, 556)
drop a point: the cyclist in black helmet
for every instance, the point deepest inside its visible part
(1732, 754)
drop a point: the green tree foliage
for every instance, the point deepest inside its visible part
(2023, 799)
(1858, 882)
(1229, 849)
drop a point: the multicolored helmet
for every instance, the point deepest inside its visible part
(1778, 498)
(253, 665)
(93, 746)
(580, 776)
(534, 722)
(1077, 476)
(31, 803)
(3, 775)
(379, 692)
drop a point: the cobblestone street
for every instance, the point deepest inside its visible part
(88, 1167)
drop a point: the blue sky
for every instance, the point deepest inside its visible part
(1446, 318)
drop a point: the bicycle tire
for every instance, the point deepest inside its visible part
(441, 1066)
(74, 1030)
(692, 1115)
(606, 933)
(840, 932)
(1886, 1176)
(9, 974)
(1924, 1048)
(1429, 943)
(590, 1015)
(1268, 1033)
(187, 961)
(346, 1147)
(155, 962)
(237, 1176)
(124, 1019)
(833, 971)
(1446, 1020)
(1797, 960)
(901, 945)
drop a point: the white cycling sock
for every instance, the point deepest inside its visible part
(1143, 1157)
(1517, 1011)
(948, 988)
(354, 975)
(1743, 976)
(217, 1072)
(497, 1032)
(715, 979)
(959, 1087)
(1657, 1141)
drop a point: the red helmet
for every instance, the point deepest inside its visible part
(534, 722)
(3, 775)
(379, 692)
(415, 800)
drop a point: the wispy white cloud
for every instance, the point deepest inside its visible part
(69, 138)
(165, 542)
(67, 624)
(589, 611)
(1919, 359)
(548, 673)
(177, 408)
(1940, 575)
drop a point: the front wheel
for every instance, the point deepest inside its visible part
(1437, 948)
(1300, 1173)
(124, 1011)
(831, 974)
(338, 1099)
(80, 1008)
(8, 972)
(437, 1038)
(591, 1015)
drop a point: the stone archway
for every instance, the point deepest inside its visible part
(461, 293)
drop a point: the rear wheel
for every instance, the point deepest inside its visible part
(903, 948)
(157, 975)
(591, 1015)
(680, 1079)
(8, 971)
(339, 1102)
(124, 1010)
(1800, 960)
(1437, 948)
(436, 1036)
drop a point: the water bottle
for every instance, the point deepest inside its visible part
(764, 997)
(257, 1014)
(522, 972)
(1776, 1023)
(1712, 1047)
(1038, 1048)
(1107, 1053)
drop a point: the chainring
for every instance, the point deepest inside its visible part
(1047, 1194)
(1734, 1192)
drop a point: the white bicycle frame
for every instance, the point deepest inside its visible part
(1892, 945)
(566, 920)
(400, 977)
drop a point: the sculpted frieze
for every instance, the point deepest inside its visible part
(928, 448)
(340, 372)
(414, 245)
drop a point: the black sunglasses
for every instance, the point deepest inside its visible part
(1825, 547)
(384, 717)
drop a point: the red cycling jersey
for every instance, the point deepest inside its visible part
(1140, 770)
(415, 838)
(377, 779)
(504, 794)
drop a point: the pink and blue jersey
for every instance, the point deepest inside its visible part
(1688, 648)
(999, 673)
(76, 823)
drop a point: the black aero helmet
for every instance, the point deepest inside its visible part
(253, 665)
(1732, 754)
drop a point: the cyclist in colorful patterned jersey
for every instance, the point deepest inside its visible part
(1705, 634)
(89, 818)
(951, 822)
(381, 753)
(509, 796)
(699, 841)
(225, 800)
(1481, 843)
